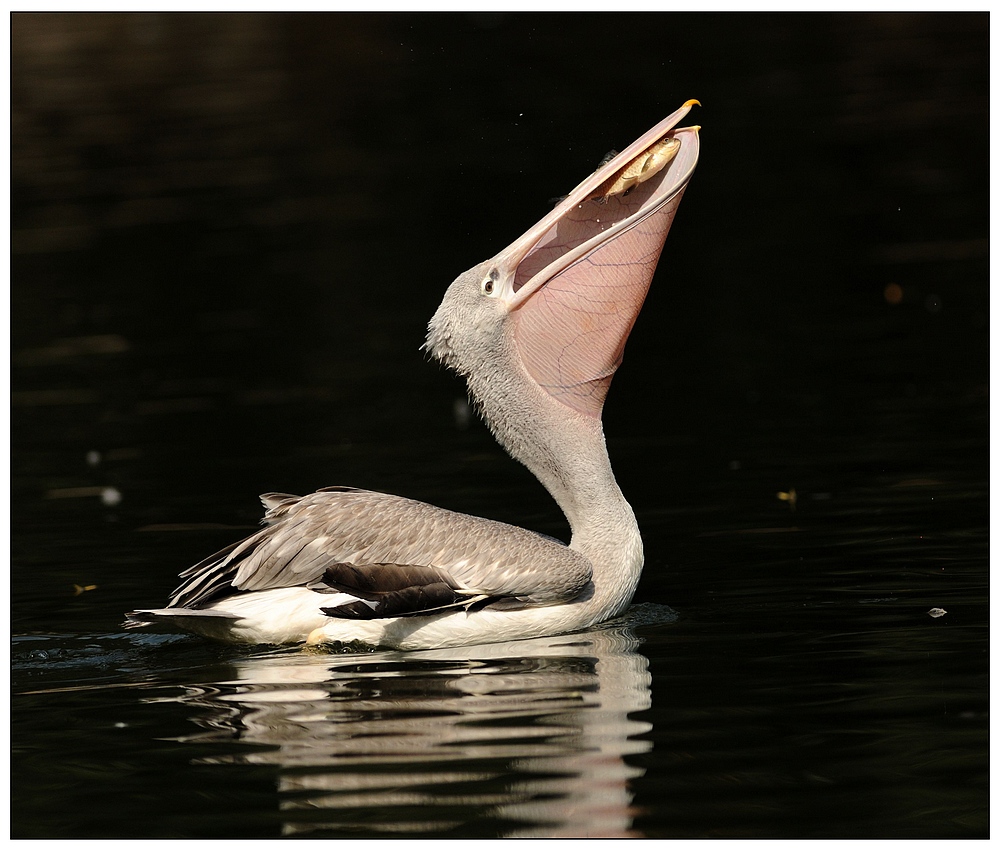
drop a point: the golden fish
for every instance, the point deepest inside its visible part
(650, 162)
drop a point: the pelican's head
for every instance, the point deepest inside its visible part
(560, 301)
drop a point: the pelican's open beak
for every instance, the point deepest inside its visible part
(576, 281)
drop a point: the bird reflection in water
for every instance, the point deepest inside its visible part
(526, 738)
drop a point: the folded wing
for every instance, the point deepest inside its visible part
(395, 556)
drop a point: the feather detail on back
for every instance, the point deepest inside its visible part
(396, 555)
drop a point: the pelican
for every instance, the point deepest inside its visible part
(537, 332)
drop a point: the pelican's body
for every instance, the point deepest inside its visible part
(537, 331)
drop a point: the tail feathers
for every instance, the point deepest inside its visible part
(148, 617)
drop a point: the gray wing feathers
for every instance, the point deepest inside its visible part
(383, 544)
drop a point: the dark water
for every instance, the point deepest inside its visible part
(227, 236)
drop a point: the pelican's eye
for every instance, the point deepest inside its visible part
(489, 286)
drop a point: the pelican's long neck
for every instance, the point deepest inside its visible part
(567, 453)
